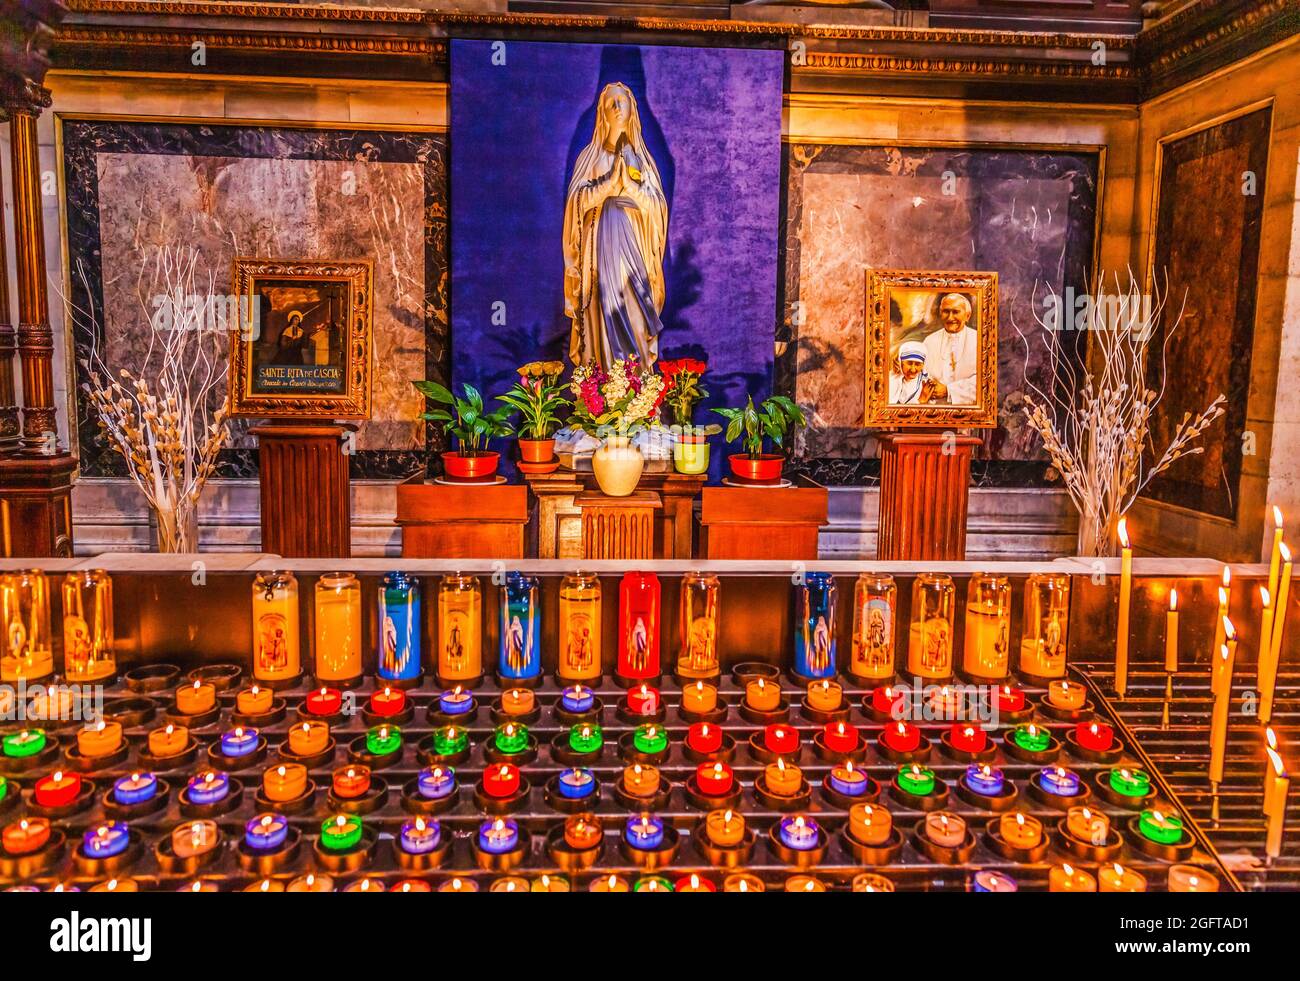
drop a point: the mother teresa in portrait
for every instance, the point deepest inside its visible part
(615, 231)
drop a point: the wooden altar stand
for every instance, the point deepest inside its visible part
(306, 507)
(772, 523)
(448, 521)
(924, 490)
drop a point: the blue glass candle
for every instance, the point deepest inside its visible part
(208, 788)
(798, 831)
(986, 780)
(1059, 781)
(135, 789)
(457, 701)
(520, 652)
(644, 832)
(576, 698)
(420, 836)
(266, 832)
(106, 840)
(498, 835)
(399, 627)
(987, 881)
(436, 782)
(576, 783)
(814, 626)
(239, 742)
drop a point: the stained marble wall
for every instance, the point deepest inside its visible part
(1028, 214)
(134, 188)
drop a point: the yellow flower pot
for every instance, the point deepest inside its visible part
(691, 457)
(617, 465)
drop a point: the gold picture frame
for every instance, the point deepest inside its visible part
(914, 320)
(302, 349)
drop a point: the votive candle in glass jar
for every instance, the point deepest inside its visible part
(814, 626)
(519, 654)
(875, 601)
(338, 627)
(275, 627)
(1047, 621)
(580, 620)
(88, 626)
(460, 628)
(399, 627)
(929, 648)
(28, 653)
(987, 649)
(698, 656)
(638, 626)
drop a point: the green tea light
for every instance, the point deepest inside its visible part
(511, 738)
(1032, 738)
(915, 779)
(383, 740)
(1130, 783)
(650, 739)
(28, 742)
(586, 737)
(4, 788)
(449, 740)
(338, 834)
(1163, 829)
(653, 883)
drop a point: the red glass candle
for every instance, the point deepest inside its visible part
(967, 738)
(902, 737)
(694, 883)
(57, 789)
(638, 620)
(840, 737)
(501, 780)
(782, 739)
(1010, 699)
(643, 700)
(327, 701)
(704, 738)
(1095, 736)
(388, 702)
(882, 700)
(714, 779)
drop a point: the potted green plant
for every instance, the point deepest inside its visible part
(465, 419)
(538, 397)
(775, 419)
(682, 393)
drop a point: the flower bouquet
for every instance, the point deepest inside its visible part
(616, 405)
(683, 392)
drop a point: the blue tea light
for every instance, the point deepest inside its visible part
(1059, 781)
(266, 832)
(106, 840)
(208, 788)
(576, 698)
(420, 836)
(457, 701)
(848, 781)
(644, 832)
(497, 836)
(798, 831)
(135, 789)
(576, 783)
(436, 782)
(240, 741)
(988, 881)
(985, 779)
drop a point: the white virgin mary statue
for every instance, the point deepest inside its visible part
(615, 228)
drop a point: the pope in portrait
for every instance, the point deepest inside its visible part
(952, 352)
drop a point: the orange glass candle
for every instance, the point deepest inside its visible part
(782, 779)
(1087, 825)
(870, 824)
(726, 829)
(640, 780)
(1066, 878)
(583, 831)
(825, 696)
(309, 738)
(254, 701)
(699, 697)
(518, 701)
(170, 740)
(101, 739)
(195, 699)
(288, 781)
(762, 697)
(1021, 830)
(1117, 878)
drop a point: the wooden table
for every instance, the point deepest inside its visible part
(446, 521)
(762, 522)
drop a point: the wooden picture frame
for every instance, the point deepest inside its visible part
(914, 325)
(302, 349)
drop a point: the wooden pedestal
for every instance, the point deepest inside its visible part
(924, 485)
(36, 505)
(761, 522)
(306, 511)
(618, 527)
(444, 521)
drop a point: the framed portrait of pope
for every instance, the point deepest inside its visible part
(932, 343)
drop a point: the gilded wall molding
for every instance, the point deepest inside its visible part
(96, 37)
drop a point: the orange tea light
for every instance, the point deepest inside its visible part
(610, 883)
(825, 696)
(1087, 825)
(254, 701)
(582, 831)
(195, 699)
(1021, 830)
(25, 836)
(170, 740)
(351, 781)
(101, 739)
(782, 779)
(699, 698)
(1066, 878)
(640, 780)
(309, 738)
(518, 701)
(1116, 878)
(285, 782)
(870, 824)
(762, 697)
(726, 829)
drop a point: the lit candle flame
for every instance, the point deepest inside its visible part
(1173, 601)
(1285, 552)
(1123, 533)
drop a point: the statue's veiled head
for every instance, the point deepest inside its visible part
(616, 116)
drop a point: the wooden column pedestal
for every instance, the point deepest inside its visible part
(445, 521)
(618, 527)
(924, 486)
(771, 523)
(306, 510)
(36, 505)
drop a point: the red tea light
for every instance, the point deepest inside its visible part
(693, 883)
(1096, 736)
(714, 779)
(58, 789)
(704, 738)
(781, 739)
(1010, 699)
(643, 700)
(883, 699)
(902, 737)
(387, 703)
(25, 836)
(501, 780)
(840, 737)
(326, 701)
(967, 738)
(351, 782)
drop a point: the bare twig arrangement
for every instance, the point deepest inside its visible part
(1094, 416)
(165, 415)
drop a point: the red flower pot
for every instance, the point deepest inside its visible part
(478, 467)
(537, 450)
(762, 469)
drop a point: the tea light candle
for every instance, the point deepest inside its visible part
(341, 832)
(498, 836)
(586, 737)
(511, 738)
(704, 738)
(699, 698)
(449, 741)
(871, 882)
(25, 836)
(902, 737)
(374, 885)
(325, 701)
(1095, 736)
(387, 702)
(239, 742)
(350, 782)
(312, 882)
(419, 885)
(135, 789)
(967, 738)
(644, 832)
(285, 782)
(1190, 878)
(1010, 699)
(610, 883)
(582, 831)
(798, 831)
(714, 779)
(266, 832)
(693, 883)
(436, 782)
(840, 737)
(848, 781)
(1164, 829)
(168, 741)
(870, 824)
(457, 701)
(762, 697)
(577, 699)
(309, 738)
(916, 779)
(1087, 825)
(883, 699)
(1066, 878)
(26, 742)
(945, 829)
(640, 780)
(576, 783)
(208, 788)
(550, 883)
(274, 885)
(195, 699)
(420, 836)
(986, 880)
(257, 701)
(781, 739)
(58, 789)
(643, 700)
(501, 780)
(518, 701)
(1117, 878)
(4, 787)
(1066, 696)
(1021, 830)
(199, 885)
(726, 829)
(945, 701)
(106, 840)
(116, 885)
(1059, 781)
(1130, 783)
(1034, 739)
(783, 780)
(650, 739)
(382, 740)
(985, 779)
(101, 739)
(194, 838)
(825, 696)
(743, 882)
